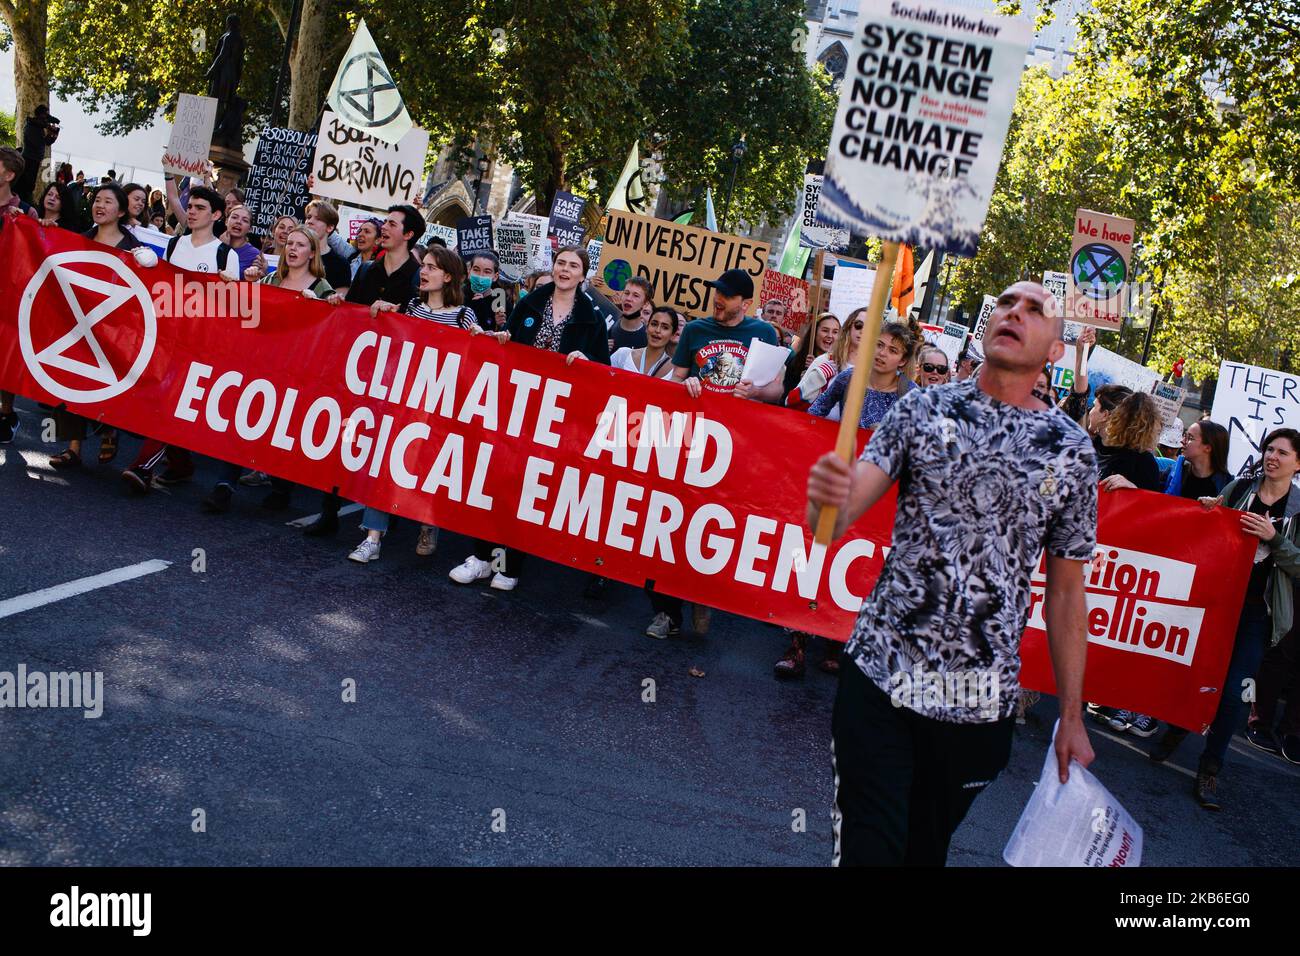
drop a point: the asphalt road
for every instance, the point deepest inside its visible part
(488, 728)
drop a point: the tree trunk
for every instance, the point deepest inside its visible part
(312, 57)
(27, 22)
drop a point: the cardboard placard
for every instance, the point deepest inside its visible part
(792, 292)
(354, 167)
(191, 138)
(1101, 257)
(277, 183)
(677, 260)
(922, 116)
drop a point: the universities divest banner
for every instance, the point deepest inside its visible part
(584, 465)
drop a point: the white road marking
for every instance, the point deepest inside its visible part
(25, 602)
(308, 519)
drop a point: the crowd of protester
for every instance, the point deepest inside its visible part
(384, 268)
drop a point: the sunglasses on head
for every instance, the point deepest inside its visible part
(934, 369)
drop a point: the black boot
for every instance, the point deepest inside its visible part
(217, 503)
(1206, 786)
(276, 500)
(328, 522)
(1167, 745)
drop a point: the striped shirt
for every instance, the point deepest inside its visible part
(458, 316)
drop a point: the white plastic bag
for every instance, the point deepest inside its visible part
(1077, 823)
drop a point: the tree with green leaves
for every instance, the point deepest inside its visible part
(741, 73)
(26, 23)
(1057, 159)
(128, 60)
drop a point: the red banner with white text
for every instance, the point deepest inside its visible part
(585, 465)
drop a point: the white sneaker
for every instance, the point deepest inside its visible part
(365, 552)
(503, 583)
(428, 542)
(472, 570)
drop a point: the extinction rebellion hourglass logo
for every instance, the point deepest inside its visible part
(86, 326)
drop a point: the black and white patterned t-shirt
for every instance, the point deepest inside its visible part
(983, 488)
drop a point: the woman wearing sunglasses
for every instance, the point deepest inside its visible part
(933, 367)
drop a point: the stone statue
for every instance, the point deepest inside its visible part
(223, 84)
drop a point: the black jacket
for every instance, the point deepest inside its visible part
(584, 332)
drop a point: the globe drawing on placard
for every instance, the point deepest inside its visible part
(617, 273)
(1098, 270)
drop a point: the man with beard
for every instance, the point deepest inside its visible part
(989, 477)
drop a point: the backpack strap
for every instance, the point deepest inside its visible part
(171, 247)
(223, 256)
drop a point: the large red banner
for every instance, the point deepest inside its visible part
(585, 465)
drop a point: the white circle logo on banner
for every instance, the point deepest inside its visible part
(55, 355)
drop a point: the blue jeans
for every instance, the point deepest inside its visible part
(1253, 637)
(372, 520)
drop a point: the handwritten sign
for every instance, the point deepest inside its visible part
(191, 139)
(355, 167)
(791, 291)
(676, 260)
(1250, 402)
(850, 288)
(277, 183)
(1101, 257)
(436, 230)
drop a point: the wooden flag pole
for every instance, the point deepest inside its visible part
(847, 442)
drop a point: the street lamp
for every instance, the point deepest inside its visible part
(483, 164)
(737, 154)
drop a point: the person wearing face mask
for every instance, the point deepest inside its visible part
(1269, 501)
(489, 304)
(886, 385)
(629, 331)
